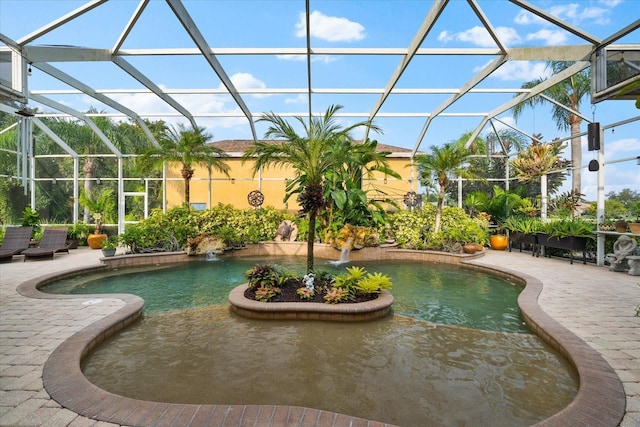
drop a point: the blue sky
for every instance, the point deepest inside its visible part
(335, 24)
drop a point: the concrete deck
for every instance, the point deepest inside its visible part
(596, 305)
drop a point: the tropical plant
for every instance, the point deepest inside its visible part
(574, 227)
(335, 295)
(31, 218)
(347, 200)
(525, 225)
(567, 96)
(265, 292)
(99, 203)
(373, 283)
(111, 242)
(444, 163)
(313, 155)
(305, 292)
(79, 231)
(538, 159)
(266, 275)
(357, 281)
(189, 148)
(501, 204)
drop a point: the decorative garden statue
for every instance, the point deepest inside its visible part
(622, 248)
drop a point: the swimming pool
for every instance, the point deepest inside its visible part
(437, 293)
(402, 369)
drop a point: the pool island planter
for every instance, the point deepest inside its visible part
(343, 312)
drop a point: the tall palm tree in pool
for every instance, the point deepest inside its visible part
(444, 163)
(189, 148)
(312, 155)
(570, 93)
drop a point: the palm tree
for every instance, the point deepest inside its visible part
(444, 163)
(570, 93)
(188, 147)
(312, 155)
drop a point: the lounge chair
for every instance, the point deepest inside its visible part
(16, 240)
(53, 240)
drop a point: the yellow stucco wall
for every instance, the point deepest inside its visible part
(271, 182)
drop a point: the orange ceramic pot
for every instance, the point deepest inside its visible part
(499, 242)
(95, 240)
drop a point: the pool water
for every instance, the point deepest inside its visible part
(437, 293)
(454, 351)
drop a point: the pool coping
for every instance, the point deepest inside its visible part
(600, 399)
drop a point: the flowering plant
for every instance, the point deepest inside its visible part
(305, 293)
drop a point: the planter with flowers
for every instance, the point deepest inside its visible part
(273, 293)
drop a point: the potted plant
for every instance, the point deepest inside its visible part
(571, 235)
(621, 226)
(77, 234)
(109, 246)
(634, 227)
(98, 204)
(523, 231)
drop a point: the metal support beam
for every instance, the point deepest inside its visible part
(484, 73)
(77, 114)
(426, 26)
(145, 81)
(71, 81)
(192, 29)
(550, 18)
(60, 21)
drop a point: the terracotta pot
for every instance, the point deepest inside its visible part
(470, 248)
(95, 240)
(634, 227)
(479, 247)
(499, 242)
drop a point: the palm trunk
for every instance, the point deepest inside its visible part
(89, 170)
(439, 208)
(187, 190)
(187, 174)
(311, 239)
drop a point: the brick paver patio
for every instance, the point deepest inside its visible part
(595, 304)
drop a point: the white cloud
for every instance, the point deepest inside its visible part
(551, 37)
(315, 58)
(626, 147)
(300, 99)
(479, 36)
(247, 81)
(525, 17)
(610, 3)
(520, 71)
(571, 12)
(330, 28)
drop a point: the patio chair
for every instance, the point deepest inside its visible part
(53, 240)
(16, 240)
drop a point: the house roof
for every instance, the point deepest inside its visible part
(236, 147)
